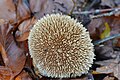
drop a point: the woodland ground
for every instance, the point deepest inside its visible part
(100, 17)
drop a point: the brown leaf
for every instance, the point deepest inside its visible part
(13, 10)
(42, 7)
(23, 37)
(64, 6)
(117, 2)
(109, 78)
(23, 76)
(16, 58)
(5, 73)
(96, 26)
(24, 29)
(109, 66)
(2, 21)
(4, 55)
(104, 52)
(7, 10)
(22, 9)
(109, 3)
(118, 43)
(14, 55)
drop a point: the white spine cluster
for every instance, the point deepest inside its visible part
(60, 46)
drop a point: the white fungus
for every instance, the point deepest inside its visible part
(60, 47)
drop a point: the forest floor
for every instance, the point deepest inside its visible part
(100, 17)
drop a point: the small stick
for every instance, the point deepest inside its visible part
(106, 39)
(102, 15)
(98, 11)
(73, 7)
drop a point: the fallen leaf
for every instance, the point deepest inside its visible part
(117, 2)
(10, 51)
(14, 10)
(7, 10)
(24, 29)
(104, 52)
(63, 6)
(109, 78)
(23, 76)
(118, 43)
(106, 32)
(23, 36)
(96, 26)
(5, 73)
(4, 55)
(43, 7)
(2, 21)
(109, 66)
(109, 3)
(23, 9)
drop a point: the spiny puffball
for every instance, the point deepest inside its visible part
(60, 47)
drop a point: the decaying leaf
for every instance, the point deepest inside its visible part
(24, 29)
(23, 36)
(4, 55)
(14, 57)
(104, 52)
(42, 7)
(118, 43)
(109, 3)
(109, 66)
(5, 73)
(20, 15)
(106, 32)
(7, 10)
(23, 76)
(97, 27)
(109, 78)
(22, 9)
(64, 6)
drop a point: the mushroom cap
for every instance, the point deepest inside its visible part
(60, 47)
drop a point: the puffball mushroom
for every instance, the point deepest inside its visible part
(60, 47)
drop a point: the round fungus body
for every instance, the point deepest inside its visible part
(60, 47)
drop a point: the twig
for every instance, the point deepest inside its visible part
(103, 15)
(98, 11)
(106, 39)
(72, 8)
